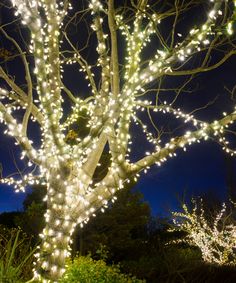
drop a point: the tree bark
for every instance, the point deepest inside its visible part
(56, 236)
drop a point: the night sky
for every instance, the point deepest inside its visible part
(202, 168)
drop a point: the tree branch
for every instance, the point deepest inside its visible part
(159, 156)
(21, 96)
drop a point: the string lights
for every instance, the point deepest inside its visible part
(73, 196)
(215, 238)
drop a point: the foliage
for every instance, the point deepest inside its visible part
(121, 228)
(85, 269)
(159, 261)
(36, 195)
(15, 256)
(7, 219)
(31, 220)
(169, 264)
(216, 240)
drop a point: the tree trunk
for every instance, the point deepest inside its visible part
(56, 235)
(54, 248)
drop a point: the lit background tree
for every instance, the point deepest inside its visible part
(122, 82)
(214, 236)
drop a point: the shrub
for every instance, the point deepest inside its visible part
(169, 264)
(87, 270)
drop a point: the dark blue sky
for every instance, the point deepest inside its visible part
(199, 170)
(9, 200)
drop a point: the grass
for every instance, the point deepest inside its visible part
(16, 256)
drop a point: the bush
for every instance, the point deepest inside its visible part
(87, 270)
(16, 256)
(178, 265)
(170, 264)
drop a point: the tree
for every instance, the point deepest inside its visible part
(31, 219)
(215, 237)
(121, 72)
(8, 219)
(122, 228)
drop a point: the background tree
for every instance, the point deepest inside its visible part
(121, 229)
(8, 219)
(126, 90)
(31, 220)
(215, 237)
